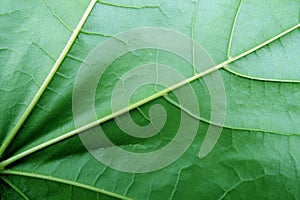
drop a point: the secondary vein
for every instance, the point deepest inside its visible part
(260, 79)
(64, 181)
(233, 29)
(193, 33)
(8, 182)
(48, 79)
(192, 115)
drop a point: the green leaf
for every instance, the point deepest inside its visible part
(255, 49)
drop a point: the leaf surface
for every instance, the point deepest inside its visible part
(256, 45)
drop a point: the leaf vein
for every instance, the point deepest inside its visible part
(64, 181)
(13, 186)
(46, 82)
(259, 79)
(233, 29)
(141, 102)
(225, 126)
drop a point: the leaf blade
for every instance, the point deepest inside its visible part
(49, 77)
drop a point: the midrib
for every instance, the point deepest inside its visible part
(141, 102)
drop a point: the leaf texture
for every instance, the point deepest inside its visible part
(254, 43)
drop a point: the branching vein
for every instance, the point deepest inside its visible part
(8, 182)
(233, 28)
(141, 102)
(48, 79)
(59, 180)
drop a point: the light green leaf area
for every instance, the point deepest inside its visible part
(257, 46)
(33, 35)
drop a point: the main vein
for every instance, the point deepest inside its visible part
(51, 74)
(141, 102)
